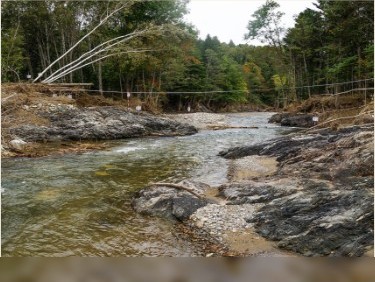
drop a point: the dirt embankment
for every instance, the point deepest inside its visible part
(330, 110)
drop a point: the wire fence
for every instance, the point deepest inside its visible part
(338, 88)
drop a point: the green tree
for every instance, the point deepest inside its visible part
(265, 25)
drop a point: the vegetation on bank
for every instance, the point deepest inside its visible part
(328, 46)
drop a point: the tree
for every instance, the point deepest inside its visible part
(12, 58)
(266, 24)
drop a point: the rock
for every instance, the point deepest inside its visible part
(321, 220)
(70, 123)
(320, 201)
(168, 202)
(276, 118)
(295, 120)
(300, 120)
(294, 145)
(201, 120)
(257, 192)
(17, 144)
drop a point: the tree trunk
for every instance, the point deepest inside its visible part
(307, 74)
(100, 78)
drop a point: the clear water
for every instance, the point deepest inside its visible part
(80, 204)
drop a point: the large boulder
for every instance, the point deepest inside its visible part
(294, 120)
(300, 120)
(169, 202)
(276, 118)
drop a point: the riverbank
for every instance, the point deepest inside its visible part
(41, 120)
(48, 128)
(51, 203)
(317, 200)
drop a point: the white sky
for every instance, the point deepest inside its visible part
(227, 19)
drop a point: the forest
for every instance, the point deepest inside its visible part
(146, 48)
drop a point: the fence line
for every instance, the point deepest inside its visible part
(345, 92)
(220, 91)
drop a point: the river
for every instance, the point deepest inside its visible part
(79, 205)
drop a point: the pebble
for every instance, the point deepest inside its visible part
(200, 120)
(216, 220)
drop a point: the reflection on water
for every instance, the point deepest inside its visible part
(80, 204)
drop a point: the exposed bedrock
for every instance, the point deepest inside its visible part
(320, 201)
(311, 217)
(99, 123)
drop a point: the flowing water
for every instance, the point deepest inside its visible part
(80, 204)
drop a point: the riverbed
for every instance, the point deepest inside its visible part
(79, 205)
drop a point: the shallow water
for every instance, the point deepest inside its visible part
(80, 204)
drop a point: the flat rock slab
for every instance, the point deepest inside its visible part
(99, 123)
(251, 166)
(320, 220)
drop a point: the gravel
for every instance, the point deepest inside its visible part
(200, 120)
(216, 220)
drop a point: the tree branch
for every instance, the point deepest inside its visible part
(83, 38)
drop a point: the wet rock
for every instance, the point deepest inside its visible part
(69, 123)
(295, 120)
(281, 147)
(169, 202)
(299, 147)
(300, 120)
(276, 118)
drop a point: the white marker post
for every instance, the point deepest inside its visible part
(128, 96)
(138, 108)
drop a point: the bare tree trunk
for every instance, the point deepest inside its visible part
(120, 80)
(307, 74)
(79, 41)
(100, 78)
(71, 74)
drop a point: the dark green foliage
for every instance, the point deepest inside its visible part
(332, 43)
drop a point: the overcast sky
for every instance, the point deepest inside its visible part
(227, 19)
